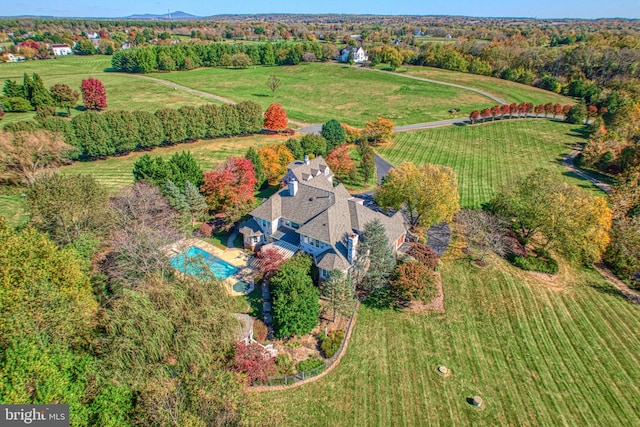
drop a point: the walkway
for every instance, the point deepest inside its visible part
(382, 168)
(569, 161)
(629, 293)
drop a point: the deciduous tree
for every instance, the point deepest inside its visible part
(273, 83)
(340, 294)
(474, 116)
(341, 163)
(483, 231)
(428, 192)
(275, 118)
(64, 96)
(275, 159)
(378, 131)
(412, 280)
(94, 96)
(254, 158)
(230, 186)
(254, 362)
(270, 259)
(24, 155)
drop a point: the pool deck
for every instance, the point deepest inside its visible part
(233, 256)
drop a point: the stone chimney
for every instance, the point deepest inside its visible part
(293, 187)
(306, 159)
(352, 248)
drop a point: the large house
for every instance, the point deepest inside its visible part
(312, 215)
(61, 49)
(359, 54)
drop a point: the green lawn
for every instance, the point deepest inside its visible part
(115, 172)
(538, 353)
(487, 156)
(505, 89)
(315, 93)
(125, 92)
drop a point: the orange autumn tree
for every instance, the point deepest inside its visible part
(341, 163)
(275, 118)
(378, 131)
(229, 188)
(275, 159)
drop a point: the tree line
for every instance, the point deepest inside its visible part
(186, 57)
(95, 135)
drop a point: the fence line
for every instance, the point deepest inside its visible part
(314, 374)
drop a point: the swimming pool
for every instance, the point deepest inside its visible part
(194, 259)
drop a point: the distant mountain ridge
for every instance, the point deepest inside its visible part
(171, 16)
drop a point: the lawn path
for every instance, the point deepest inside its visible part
(438, 82)
(176, 86)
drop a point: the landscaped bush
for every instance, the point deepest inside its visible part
(260, 331)
(331, 343)
(206, 229)
(542, 262)
(311, 363)
(413, 280)
(253, 361)
(424, 254)
(284, 364)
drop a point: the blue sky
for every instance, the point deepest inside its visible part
(539, 8)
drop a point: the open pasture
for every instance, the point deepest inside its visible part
(317, 92)
(488, 156)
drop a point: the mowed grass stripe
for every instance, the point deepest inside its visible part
(488, 156)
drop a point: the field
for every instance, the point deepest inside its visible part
(115, 172)
(487, 156)
(124, 92)
(505, 89)
(315, 93)
(538, 353)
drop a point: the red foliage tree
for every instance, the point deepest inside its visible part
(474, 116)
(603, 110)
(413, 280)
(230, 186)
(341, 163)
(485, 113)
(548, 109)
(495, 111)
(557, 110)
(538, 109)
(505, 110)
(566, 109)
(253, 361)
(513, 109)
(94, 97)
(275, 118)
(260, 331)
(424, 254)
(269, 261)
(592, 111)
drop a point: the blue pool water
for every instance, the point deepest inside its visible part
(194, 260)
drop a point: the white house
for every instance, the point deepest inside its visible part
(61, 49)
(359, 54)
(92, 35)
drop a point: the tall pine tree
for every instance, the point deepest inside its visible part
(375, 256)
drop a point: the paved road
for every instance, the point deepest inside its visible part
(382, 168)
(569, 161)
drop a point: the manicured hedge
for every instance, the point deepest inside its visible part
(114, 132)
(182, 57)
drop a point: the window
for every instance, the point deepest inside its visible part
(323, 273)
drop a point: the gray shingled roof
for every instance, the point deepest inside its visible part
(330, 260)
(250, 228)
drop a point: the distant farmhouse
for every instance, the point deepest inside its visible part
(310, 215)
(359, 54)
(61, 49)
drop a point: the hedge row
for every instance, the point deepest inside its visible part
(120, 132)
(186, 57)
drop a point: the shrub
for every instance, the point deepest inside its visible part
(254, 362)
(542, 262)
(260, 331)
(284, 364)
(206, 229)
(311, 363)
(331, 343)
(414, 281)
(424, 254)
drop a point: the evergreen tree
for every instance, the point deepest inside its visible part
(185, 168)
(340, 292)
(151, 134)
(12, 89)
(334, 133)
(153, 170)
(296, 304)
(124, 129)
(196, 202)
(195, 126)
(172, 125)
(175, 196)
(254, 158)
(367, 162)
(93, 135)
(40, 96)
(27, 87)
(376, 256)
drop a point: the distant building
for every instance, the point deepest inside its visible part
(61, 49)
(359, 54)
(92, 35)
(13, 58)
(419, 33)
(448, 36)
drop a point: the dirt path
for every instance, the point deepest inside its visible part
(629, 293)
